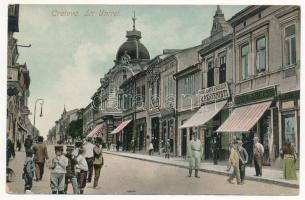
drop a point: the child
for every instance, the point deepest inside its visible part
(58, 171)
(70, 171)
(81, 169)
(28, 171)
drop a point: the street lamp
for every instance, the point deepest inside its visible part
(41, 102)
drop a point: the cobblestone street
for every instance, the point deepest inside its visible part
(122, 175)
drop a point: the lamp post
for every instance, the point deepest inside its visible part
(41, 102)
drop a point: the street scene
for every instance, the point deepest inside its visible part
(136, 99)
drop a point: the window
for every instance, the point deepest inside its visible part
(143, 93)
(290, 45)
(210, 73)
(244, 61)
(261, 54)
(222, 69)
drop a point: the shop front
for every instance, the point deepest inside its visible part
(167, 129)
(289, 115)
(124, 131)
(140, 134)
(213, 110)
(254, 114)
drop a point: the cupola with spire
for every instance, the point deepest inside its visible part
(132, 49)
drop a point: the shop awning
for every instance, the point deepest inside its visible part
(96, 131)
(121, 127)
(244, 118)
(204, 114)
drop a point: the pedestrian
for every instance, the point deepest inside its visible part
(81, 170)
(215, 150)
(289, 165)
(58, 171)
(151, 148)
(18, 145)
(195, 152)
(28, 143)
(28, 172)
(243, 160)
(258, 152)
(88, 147)
(98, 162)
(167, 149)
(40, 157)
(234, 162)
(132, 146)
(70, 170)
(10, 150)
(118, 145)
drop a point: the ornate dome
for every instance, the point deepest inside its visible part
(132, 49)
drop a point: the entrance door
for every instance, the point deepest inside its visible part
(155, 133)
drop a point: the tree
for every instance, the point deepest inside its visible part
(51, 134)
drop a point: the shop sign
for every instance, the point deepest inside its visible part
(255, 96)
(214, 93)
(287, 104)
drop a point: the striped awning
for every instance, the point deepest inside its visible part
(121, 127)
(96, 131)
(204, 114)
(244, 118)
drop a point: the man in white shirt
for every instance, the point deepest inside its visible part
(195, 152)
(258, 152)
(88, 147)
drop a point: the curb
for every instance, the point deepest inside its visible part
(264, 180)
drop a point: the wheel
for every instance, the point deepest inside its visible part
(10, 175)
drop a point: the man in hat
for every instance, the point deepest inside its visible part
(41, 155)
(258, 152)
(58, 171)
(243, 160)
(195, 152)
(70, 170)
(234, 162)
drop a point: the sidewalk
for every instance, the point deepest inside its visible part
(272, 176)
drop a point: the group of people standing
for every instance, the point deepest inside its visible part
(75, 166)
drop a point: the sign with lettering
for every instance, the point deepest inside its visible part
(214, 93)
(255, 96)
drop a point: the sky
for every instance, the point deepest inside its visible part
(69, 54)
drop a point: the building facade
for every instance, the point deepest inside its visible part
(266, 44)
(18, 83)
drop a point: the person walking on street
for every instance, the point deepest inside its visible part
(243, 160)
(118, 145)
(70, 171)
(289, 165)
(18, 145)
(195, 152)
(132, 146)
(258, 152)
(81, 170)
(41, 155)
(151, 148)
(28, 143)
(167, 149)
(58, 171)
(10, 150)
(97, 163)
(234, 162)
(28, 171)
(88, 147)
